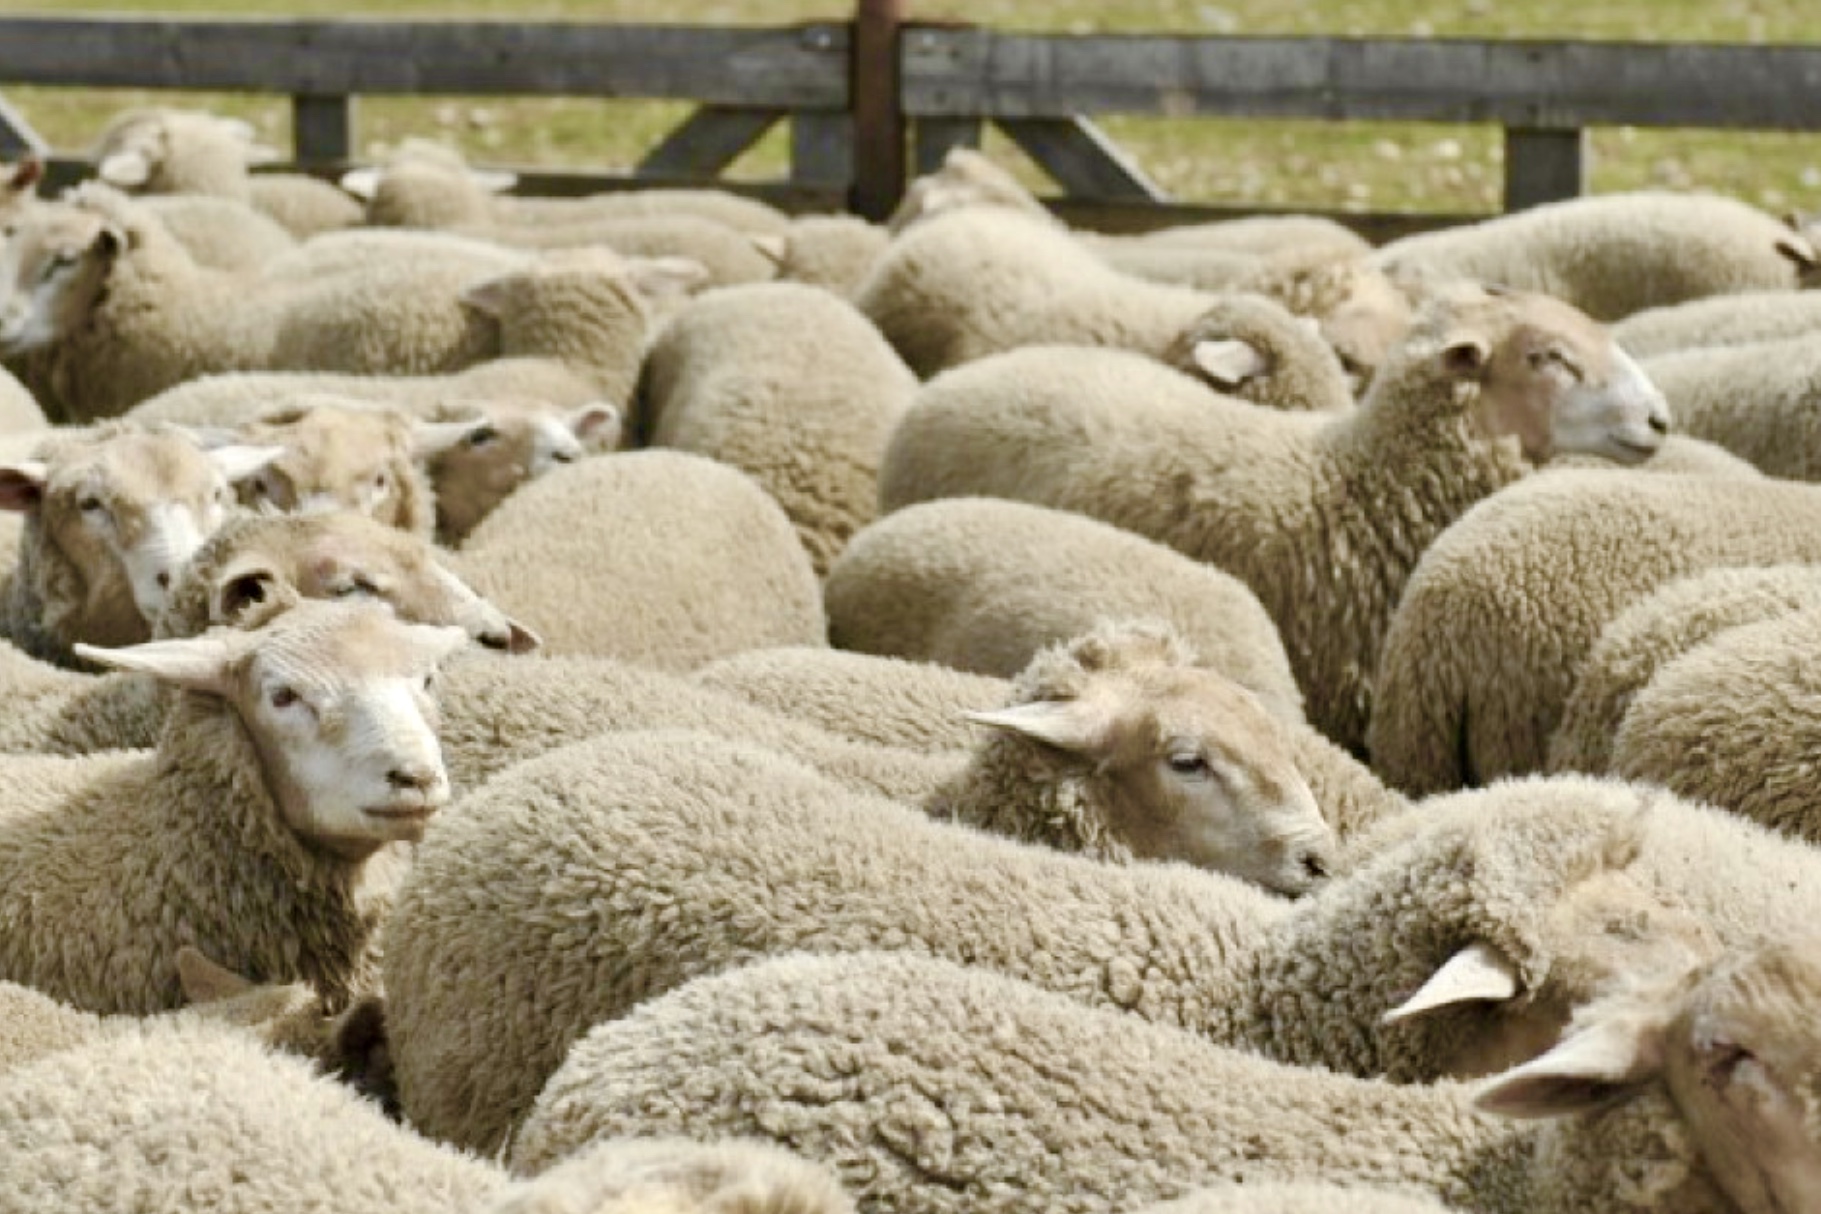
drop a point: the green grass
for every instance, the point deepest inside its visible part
(1358, 166)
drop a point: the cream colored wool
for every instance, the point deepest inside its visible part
(580, 883)
(1283, 363)
(303, 205)
(1292, 1198)
(1180, 263)
(1656, 630)
(728, 255)
(930, 1088)
(1615, 254)
(657, 557)
(883, 701)
(680, 1176)
(1758, 401)
(1263, 235)
(1743, 318)
(344, 455)
(19, 413)
(832, 251)
(1734, 722)
(220, 233)
(33, 1025)
(1323, 520)
(791, 386)
(1501, 613)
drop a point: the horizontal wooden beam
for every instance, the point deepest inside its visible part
(1535, 85)
(762, 68)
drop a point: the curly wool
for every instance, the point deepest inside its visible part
(1500, 614)
(1292, 1198)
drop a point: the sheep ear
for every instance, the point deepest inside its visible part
(493, 181)
(1466, 355)
(773, 246)
(125, 169)
(520, 639)
(1478, 973)
(248, 583)
(26, 174)
(431, 439)
(663, 278)
(206, 981)
(488, 296)
(1072, 725)
(22, 485)
(203, 663)
(1228, 363)
(596, 425)
(1797, 249)
(1603, 1063)
(236, 461)
(362, 183)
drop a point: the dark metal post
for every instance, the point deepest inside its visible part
(322, 129)
(877, 107)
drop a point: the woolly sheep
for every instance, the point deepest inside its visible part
(19, 185)
(1182, 264)
(931, 1087)
(1758, 401)
(966, 178)
(1253, 348)
(1732, 722)
(680, 1176)
(1263, 235)
(220, 234)
(592, 878)
(832, 251)
(1614, 254)
(658, 557)
(177, 152)
(728, 256)
(252, 832)
(882, 701)
(110, 519)
(1501, 612)
(790, 385)
(1741, 319)
(1656, 630)
(1323, 521)
(19, 413)
(518, 440)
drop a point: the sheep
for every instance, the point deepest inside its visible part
(1758, 401)
(832, 251)
(1731, 722)
(726, 378)
(1654, 631)
(1323, 521)
(251, 566)
(1741, 319)
(680, 1176)
(966, 178)
(588, 879)
(264, 829)
(728, 256)
(1501, 612)
(1614, 254)
(176, 152)
(1252, 348)
(344, 455)
(19, 185)
(980, 281)
(517, 440)
(110, 519)
(930, 1087)
(1181, 264)
(658, 557)
(1263, 235)
(220, 234)
(99, 309)
(882, 701)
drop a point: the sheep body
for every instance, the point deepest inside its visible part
(218, 233)
(832, 251)
(1758, 401)
(1740, 318)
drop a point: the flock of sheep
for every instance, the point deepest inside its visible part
(644, 705)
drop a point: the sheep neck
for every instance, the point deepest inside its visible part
(1030, 793)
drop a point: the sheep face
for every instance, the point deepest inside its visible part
(1555, 380)
(125, 513)
(1733, 1044)
(336, 699)
(1366, 322)
(53, 265)
(259, 565)
(335, 459)
(1187, 765)
(514, 442)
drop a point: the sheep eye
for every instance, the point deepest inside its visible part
(482, 436)
(1188, 765)
(429, 681)
(1724, 1057)
(381, 481)
(90, 505)
(563, 457)
(283, 697)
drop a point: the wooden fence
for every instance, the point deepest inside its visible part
(872, 98)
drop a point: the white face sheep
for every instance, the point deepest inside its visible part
(111, 519)
(51, 272)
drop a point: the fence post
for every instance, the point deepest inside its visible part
(322, 129)
(878, 109)
(1543, 166)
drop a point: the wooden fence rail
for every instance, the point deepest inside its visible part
(867, 98)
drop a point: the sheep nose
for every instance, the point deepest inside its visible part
(414, 778)
(1659, 423)
(164, 581)
(1314, 865)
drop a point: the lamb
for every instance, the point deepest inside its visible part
(1742, 319)
(1656, 630)
(168, 151)
(575, 885)
(253, 832)
(832, 251)
(931, 1087)
(1758, 401)
(1731, 722)
(110, 519)
(658, 557)
(1501, 612)
(1323, 521)
(1252, 348)
(726, 378)
(1614, 254)
(882, 701)
(517, 440)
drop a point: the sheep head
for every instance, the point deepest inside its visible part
(336, 699)
(1179, 762)
(511, 442)
(54, 264)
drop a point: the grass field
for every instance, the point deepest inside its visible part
(1359, 166)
